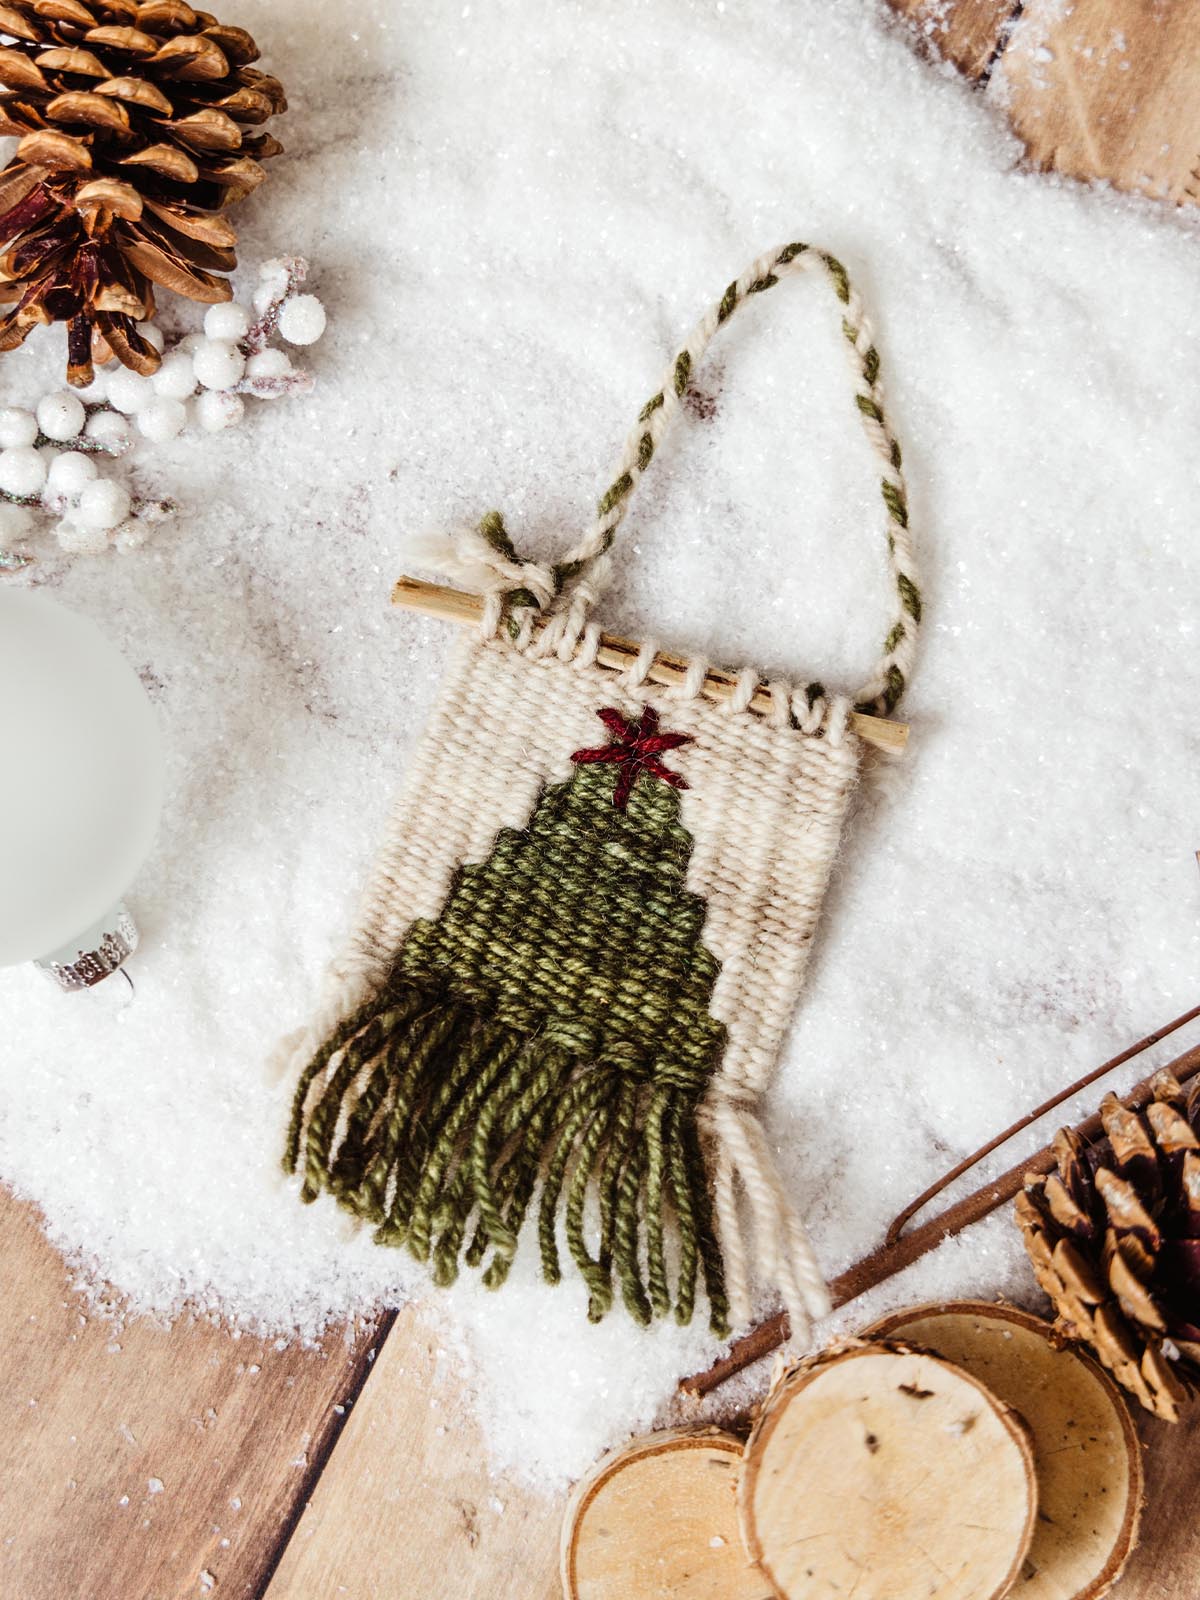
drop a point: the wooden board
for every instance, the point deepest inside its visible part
(1166, 1564)
(969, 33)
(133, 1459)
(406, 1506)
(1110, 89)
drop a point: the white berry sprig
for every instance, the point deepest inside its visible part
(49, 455)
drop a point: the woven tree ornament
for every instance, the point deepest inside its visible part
(1114, 1238)
(135, 128)
(585, 936)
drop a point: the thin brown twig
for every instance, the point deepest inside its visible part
(900, 1221)
(894, 1256)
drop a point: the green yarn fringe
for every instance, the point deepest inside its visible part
(435, 1123)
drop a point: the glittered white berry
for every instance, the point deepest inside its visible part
(61, 416)
(302, 319)
(152, 335)
(217, 409)
(227, 321)
(96, 392)
(176, 378)
(273, 284)
(269, 364)
(81, 539)
(102, 504)
(219, 364)
(16, 522)
(162, 419)
(129, 391)
(131, 535)
(17, 427)
(22, 470)
(190, 343)
(68, 473)
(111, 430)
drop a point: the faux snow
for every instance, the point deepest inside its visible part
(513, 215)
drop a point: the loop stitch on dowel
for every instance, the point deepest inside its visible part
(635, 673)
(693, 679)
(744, 690)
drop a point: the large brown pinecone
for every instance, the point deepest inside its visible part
(1114, 1237)
(132, 125)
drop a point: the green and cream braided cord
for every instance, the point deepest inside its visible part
(566, 592)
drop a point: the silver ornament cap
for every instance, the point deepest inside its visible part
(95, 955)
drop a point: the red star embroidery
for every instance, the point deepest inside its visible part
(635, 748)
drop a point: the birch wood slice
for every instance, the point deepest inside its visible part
(1085, 1449)
(658, 1521)
(879, 1472)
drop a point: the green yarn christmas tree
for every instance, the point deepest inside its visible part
(550, 1023)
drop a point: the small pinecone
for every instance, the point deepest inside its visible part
(132, 122)
(1114, 1237)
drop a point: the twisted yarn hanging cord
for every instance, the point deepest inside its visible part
(568, 589)
(581, 947)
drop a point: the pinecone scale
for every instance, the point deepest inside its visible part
(136, 126)
(1114, 1238)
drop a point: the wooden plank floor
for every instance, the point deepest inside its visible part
(133, 1460)
(406, 1495)
(146, 1464)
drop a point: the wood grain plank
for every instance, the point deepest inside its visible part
(968, 33)
(1110, 89)
(406, 1506)
(94, 1417)
(1166, 1565)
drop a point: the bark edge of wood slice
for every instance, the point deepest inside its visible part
(879, 1471)
(1085, 1444)
(658, 1518)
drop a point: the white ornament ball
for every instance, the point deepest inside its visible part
(129, 391)
(152, 335)
(227, 321)
(17, 427)
(61, 416)
(217, 409)
(176, 378)
(22, 470)
(111, 430)
(163, 419)
(68, 473)
(81, 539)
(302, 319)
(103, 504)
(219, 364)
(16, 522)
(190, 343)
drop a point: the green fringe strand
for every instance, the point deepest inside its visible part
(432, 1122)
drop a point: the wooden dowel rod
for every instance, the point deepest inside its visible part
(455, 605)
(889, 1259)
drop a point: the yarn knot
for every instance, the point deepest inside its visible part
(486, 560)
